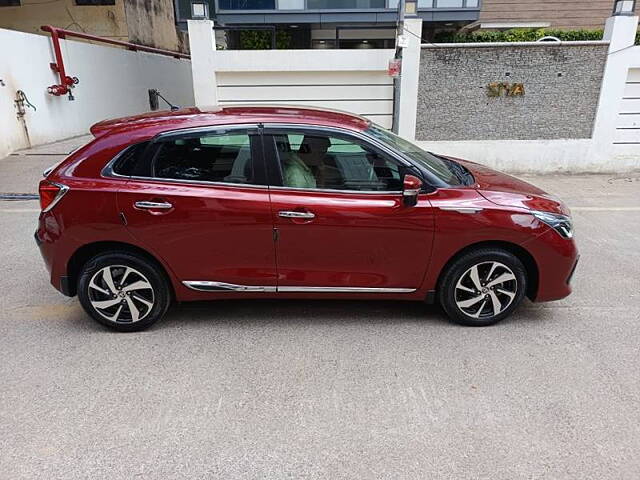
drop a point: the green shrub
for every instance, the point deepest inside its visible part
(261, 39)
(518, 35)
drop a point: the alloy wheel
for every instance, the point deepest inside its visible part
(121, 294)
(486, 290)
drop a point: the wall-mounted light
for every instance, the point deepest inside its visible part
(199, 10)
(411, 8)
(624, 7)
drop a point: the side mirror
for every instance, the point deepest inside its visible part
(411, 186)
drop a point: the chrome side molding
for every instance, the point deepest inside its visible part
(207, 286)
(344, 290)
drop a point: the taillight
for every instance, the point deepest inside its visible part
(50, 194)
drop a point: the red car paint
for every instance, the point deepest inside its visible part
(231, 233)
(509, 191)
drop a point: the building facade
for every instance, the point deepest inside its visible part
(150, 23)
(566, 14)
(330, 23)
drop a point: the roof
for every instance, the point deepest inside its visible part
(157, 122)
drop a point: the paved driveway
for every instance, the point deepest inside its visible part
(300, 389)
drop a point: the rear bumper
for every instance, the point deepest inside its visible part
(557, 260)
(47, 245)
(66, 288)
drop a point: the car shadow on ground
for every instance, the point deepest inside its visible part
(283, 312)
(325, 312)
(256, 312)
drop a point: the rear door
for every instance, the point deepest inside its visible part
(199, 200)
(340, 219)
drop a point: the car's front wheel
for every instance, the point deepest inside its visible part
(123, 291)
(482, 287)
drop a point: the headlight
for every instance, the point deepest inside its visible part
(560, 223)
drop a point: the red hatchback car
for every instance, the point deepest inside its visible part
(285, 202)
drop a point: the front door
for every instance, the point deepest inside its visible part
(200, 202)
(340, 220)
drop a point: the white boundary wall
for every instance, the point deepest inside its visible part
(626, 142)
(350, 80)
(113, 82)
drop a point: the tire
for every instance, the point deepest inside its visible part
(123, 291)
(482, 287)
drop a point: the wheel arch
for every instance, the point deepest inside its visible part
(89, 250)
(530, 265)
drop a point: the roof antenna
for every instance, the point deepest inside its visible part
(155, 93)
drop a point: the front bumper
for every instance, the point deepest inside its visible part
(557, 259)
(573, 271)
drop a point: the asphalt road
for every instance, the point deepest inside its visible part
(333, 389)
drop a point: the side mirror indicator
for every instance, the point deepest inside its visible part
(411, 187)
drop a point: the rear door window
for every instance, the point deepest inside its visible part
(223, 157)
(128, 161)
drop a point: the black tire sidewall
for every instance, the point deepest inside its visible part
(446, 290)
(154, 274)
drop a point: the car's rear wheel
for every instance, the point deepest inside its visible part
(123, 291)
(482, 287)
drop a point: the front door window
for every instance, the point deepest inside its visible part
(319, 161)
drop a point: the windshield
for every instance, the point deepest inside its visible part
(448, 171)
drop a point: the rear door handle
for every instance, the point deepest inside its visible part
(145, 205)
(290, 214)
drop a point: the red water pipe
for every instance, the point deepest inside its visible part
(67, 82)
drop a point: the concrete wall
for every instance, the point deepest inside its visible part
(561, 81)
(614, 142)
(103, 20)
(113, 83)
(153, 24)
(146, 22)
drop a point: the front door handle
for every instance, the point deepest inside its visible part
(301, 215)
(145, 205)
